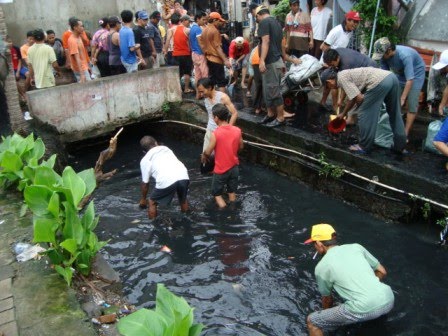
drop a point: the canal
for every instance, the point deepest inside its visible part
(245, 269)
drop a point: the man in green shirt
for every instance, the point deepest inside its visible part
(355, 275)
(41, 61)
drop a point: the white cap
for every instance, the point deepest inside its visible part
(239, 40)
(443, 61)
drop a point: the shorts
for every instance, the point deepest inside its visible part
(216, 73)
(78, 75)
(332, 318)
(160, 60)
(165, 196)
(23, 71)
(185, 65)
(200, 66)
(130, 67)
(271, 84)
(228, 179)
(413, 97)
(236, 66)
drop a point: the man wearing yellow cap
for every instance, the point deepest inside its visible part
(355, 275)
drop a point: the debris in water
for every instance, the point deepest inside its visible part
(111, 318)
(95, 321)
(315, 255)
(135, 221)
(291, 258)
(165, 249)
(27, 116)
(2, 221)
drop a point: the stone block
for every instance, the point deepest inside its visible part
(7, 316)
(6, 304)
(6, 271)
(5, 289)
(9, 329)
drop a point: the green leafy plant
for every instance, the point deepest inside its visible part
(54, 201)
(443, 221)
(19, 157)
(166, 107)
(385, 26)
(281, 10)
(326, 168)
(172, 316)
(426, 210)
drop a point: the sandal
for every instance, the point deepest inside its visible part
(356, 149)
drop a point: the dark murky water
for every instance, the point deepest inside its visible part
(245, 270)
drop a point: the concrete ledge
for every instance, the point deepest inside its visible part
(77, 111)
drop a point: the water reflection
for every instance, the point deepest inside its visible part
(245, 270)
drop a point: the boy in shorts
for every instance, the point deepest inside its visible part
(169, 173)
(226, 141)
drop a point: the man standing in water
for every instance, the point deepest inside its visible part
(226, 141)
(355, 275)
(169, 173)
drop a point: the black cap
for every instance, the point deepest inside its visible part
(291, 2)
(253, 5)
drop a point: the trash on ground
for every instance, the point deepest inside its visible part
(27, 251)
(110, 318)
(165, 249)
(27, 116)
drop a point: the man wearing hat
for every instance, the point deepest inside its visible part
(409, 68)
(211, 45)
(271, 66)
(299, 33)
(339, 36)
(141, 35)
(355, 275)
(238, 50)
(442, 67)
(155, 39)
(441, 139)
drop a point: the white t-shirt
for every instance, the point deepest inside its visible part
(319, 22)
(161, 164)
(338, 37)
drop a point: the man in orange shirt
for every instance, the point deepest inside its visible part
(182, 52)
(24, 53)
(211, 45)
(77, 52)
(66, 35)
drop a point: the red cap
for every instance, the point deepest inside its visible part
(217, 16)
(337, 125)
(353, 15)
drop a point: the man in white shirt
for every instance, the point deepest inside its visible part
(169, 173)
(339, 36)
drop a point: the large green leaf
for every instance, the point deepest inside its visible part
(45, 230)
(37, 199)
(54, 205)
(70, 245)
(46, 176)
(55, 255)
(75, 183)
(11, 162)
(50, 162)
(196, 329)
(66, 272)
(72, 226)
(88, 217)
(88, 176)
(84, 262)
(143, 322)
(175, 310)
(65, 194)
(28, 173)
(38, 149)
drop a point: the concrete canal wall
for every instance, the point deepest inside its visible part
(80, 111)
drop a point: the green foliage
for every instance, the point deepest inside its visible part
(54, 201)
(171, 317)
(426, 210)
(281, 10)
(19, 157)
(443, 221)
(385, 26)
(328, 168)
(166, 107)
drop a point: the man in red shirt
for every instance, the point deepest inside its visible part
(79, 59)
(238, 50)
(226, 141)
(20, 70)
(182, 52)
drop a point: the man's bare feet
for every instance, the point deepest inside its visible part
(288, 115)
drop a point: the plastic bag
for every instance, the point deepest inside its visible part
(384, 136)
(433, 129)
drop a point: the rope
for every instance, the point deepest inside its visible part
(309, 157)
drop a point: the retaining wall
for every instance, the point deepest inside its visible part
(79, 111)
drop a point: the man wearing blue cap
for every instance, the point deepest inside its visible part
(355, 275)
(142, 36)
